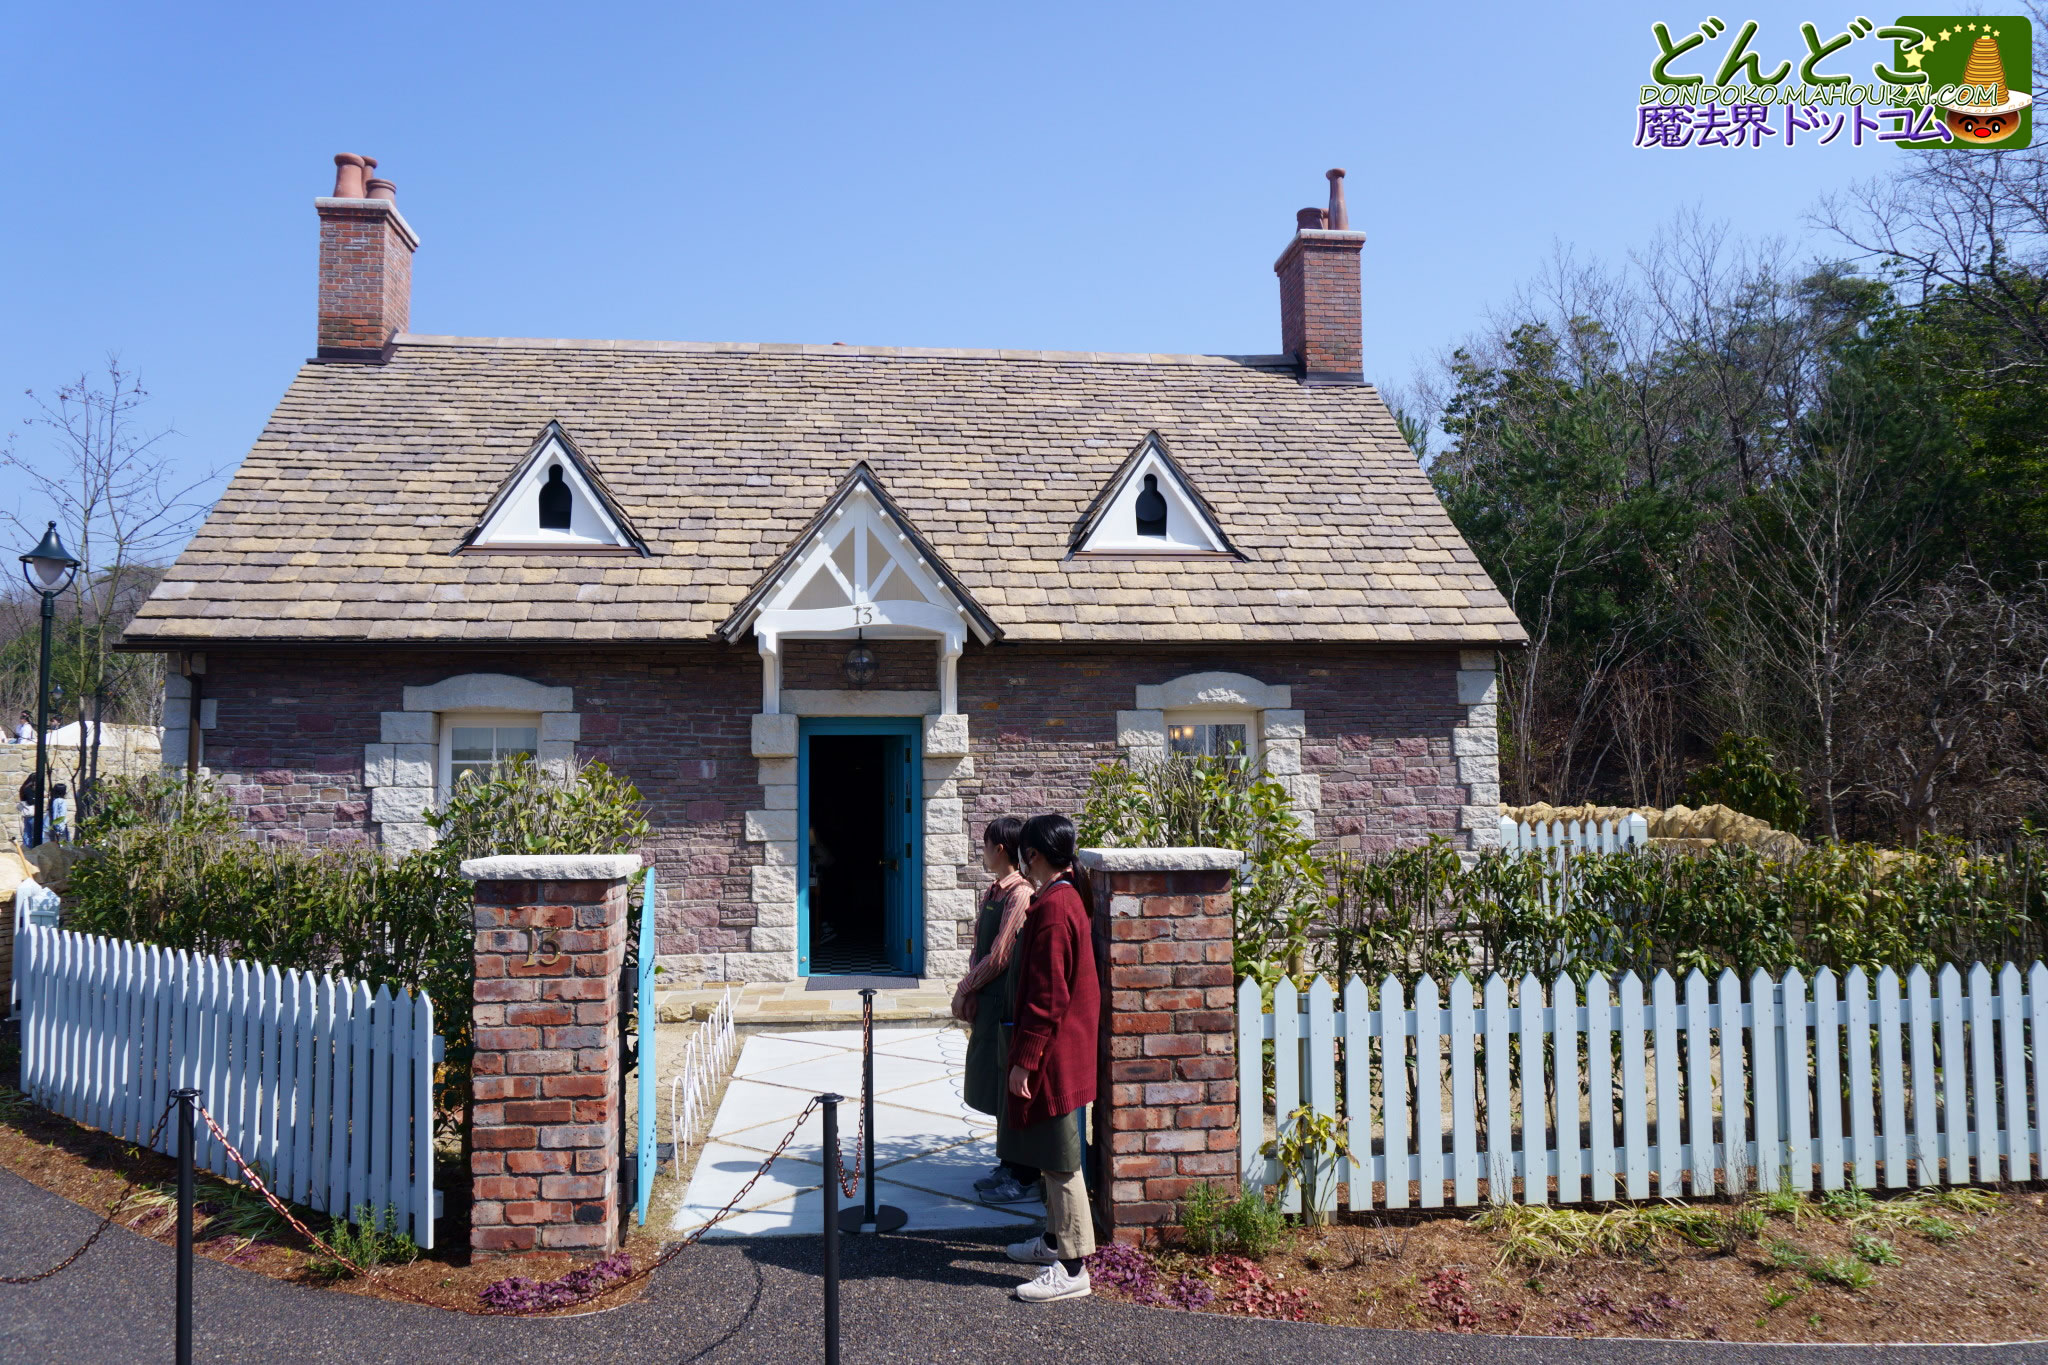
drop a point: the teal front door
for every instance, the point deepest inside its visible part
(860, 904)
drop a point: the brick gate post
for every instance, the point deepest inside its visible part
(550, 941)
(1166, 1110)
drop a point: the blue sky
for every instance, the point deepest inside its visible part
(1103, 177)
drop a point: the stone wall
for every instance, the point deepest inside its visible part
(1394, 745)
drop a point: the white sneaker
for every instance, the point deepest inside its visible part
(1055, 1283)
(1033, 1252)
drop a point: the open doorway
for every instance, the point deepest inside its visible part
(860, 850)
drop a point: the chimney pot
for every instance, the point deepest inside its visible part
(1319, 297)
(365, 265)
(348, 175)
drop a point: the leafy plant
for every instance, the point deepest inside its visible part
(1786, 1256)
(1215, 1219)
(1875, 1251)
(1220, 802)
(1774, 1299)
(1845, 1271)
(1537, 1233)
(367, 1238)
(1744, 776)
(526, 808)
(1308, 1148)
(519, 1292)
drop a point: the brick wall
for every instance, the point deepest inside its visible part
(290, 729)
(902, 665)
(544, 1142)
(1168, 1106)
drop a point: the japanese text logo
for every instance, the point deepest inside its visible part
(1934, 83)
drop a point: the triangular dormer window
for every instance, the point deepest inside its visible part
(1151, 507)
(554, 500)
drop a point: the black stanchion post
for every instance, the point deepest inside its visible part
(186, 1120)
(869, 1217)
(831, 1104)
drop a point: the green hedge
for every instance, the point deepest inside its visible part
(1429, 910)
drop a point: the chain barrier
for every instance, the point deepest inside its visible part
(668, 1253)
(849, 1185)
(113, 1212)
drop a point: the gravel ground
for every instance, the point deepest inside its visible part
(915, 1300)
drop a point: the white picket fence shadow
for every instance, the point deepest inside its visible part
(706, 1058)
(1829, 1084)
(324, 1087)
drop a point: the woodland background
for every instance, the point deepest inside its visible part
(1731, 492)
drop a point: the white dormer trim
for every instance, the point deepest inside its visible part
(512, 521)
(859, 569)
(1111, 524)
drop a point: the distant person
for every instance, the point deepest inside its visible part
(25, 733)
(1052, 1059)
(986, 996)
(60, 813)
(28, 793)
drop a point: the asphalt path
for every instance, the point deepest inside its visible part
(915, 1300)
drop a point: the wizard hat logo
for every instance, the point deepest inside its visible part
(1990, 111)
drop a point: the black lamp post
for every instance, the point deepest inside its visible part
(49, 569)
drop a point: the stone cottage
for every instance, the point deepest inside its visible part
(830, 607)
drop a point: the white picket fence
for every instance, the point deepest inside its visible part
(1557, 1094)
(1560, 838)
(324, 1087)
(706, 1057)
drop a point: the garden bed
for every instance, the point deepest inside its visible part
(237, 1227)
(1923, 1268)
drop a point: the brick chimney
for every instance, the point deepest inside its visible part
(365, 265)
(1319, 306)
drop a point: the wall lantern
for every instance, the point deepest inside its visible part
(861, 664)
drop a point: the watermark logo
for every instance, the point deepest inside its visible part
(1935, 83)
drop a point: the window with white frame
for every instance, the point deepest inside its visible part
(1214, 734)
(480, 741)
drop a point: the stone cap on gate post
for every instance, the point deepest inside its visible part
(549, 943)
(1166, 1101)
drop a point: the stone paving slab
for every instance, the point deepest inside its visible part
(783, 1003)
(929, 1146)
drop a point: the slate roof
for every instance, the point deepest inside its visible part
(344, 521)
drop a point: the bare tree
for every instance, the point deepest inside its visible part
(123, 508)
(1950, 709)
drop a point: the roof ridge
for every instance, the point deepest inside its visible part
(812, 349)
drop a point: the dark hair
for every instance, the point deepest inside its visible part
(1052, 837)
(60, 790)
(1002, 832)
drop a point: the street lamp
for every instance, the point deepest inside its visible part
(49, 569)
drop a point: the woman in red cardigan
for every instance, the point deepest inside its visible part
(1052, 1058)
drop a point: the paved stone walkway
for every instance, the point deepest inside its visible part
(908, 1301)
(929, 1146)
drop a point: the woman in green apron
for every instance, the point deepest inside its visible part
(985, 995)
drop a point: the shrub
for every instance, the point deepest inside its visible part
(1247, 1222)
(367, 1238)
(524, 808)
(1744, 776)
(1220, 803)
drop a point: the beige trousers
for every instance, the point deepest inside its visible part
(1067, 1221)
